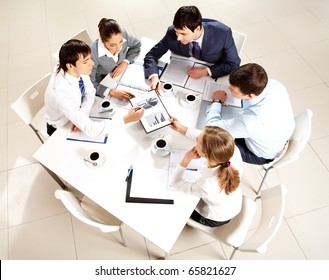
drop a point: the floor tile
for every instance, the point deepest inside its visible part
(302, 28)
(315, 55)
(3, 148)
(315, 98)
(4, 244)
(3, 200)
(320, 146)
(31, 188)
(50, 239)
(279, 66)
(311, 231)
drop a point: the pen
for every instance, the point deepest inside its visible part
(192, 169)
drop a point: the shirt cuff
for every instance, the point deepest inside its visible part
(209, 71)
(151, 76)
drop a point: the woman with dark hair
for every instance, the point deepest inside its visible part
(111, 54)
(218, 182)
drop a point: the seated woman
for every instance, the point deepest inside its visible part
(218, 182)
(111, 54)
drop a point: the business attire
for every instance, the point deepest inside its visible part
(217, 47)
(215, 206)
(263, 126)
(105, 62)
(64, 103)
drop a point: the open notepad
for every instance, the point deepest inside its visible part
(175, 72)
(191, 171)
(212, 86)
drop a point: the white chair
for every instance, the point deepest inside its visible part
(234, 233)
(28, 106)
(89, 213)
(239, 40)
(30, 103)
(297, 143)
(82, 35)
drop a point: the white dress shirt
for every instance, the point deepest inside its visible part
(214, 204)
(265, 122)
(63, 104)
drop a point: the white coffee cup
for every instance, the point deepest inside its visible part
(105, 106)
(161, 147)
(93, 157)
(190, 98)
(167, 88)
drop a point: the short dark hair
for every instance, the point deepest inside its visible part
(249, 78)
(108, 27)
(70, 51)
(187, 16)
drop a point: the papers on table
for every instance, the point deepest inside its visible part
(191, 171)
(80, 136)
(175, 72)
(212, 86)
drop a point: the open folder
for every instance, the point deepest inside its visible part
(142, 199)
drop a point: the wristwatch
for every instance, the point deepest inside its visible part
(217, 100)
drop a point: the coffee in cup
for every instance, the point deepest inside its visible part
(160, 144)
(105, 104)
(161, 147)
(167, 88)
(190, 98)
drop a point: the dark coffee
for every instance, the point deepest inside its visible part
(105, 104)
(94, 156)
(167, 86)
(190, 98)
(161, 143)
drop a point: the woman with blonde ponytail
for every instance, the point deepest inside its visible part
(217, 184)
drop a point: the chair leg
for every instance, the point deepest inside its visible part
(233, 252)
(263, 180)
(123, 238)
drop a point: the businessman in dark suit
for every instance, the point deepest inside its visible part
(213, 40)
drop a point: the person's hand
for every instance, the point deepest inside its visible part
(220, 94)
(176, 125)
(134, 114)
(121, 94)
(75, 128)
(189, 155)
(119, 69)
(155, 84)
(197, 72)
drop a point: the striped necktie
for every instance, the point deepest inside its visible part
(82, 89)
(196, 50)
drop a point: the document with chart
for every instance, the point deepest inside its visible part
(155, 114)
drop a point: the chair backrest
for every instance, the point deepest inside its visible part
(73, 205)
(272, 210)
(299, 138)
(239, 40)
(82, 35)
(234, 232)
(31, 102)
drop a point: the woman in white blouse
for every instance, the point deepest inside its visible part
(111, 54)
(218, 182)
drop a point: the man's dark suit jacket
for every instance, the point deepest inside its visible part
(217, 47)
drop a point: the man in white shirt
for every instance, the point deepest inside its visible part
(265, 123)
(70, 94)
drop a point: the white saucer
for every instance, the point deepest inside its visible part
(182, 102)
(107, 112)
(101, 160)
(159, 152)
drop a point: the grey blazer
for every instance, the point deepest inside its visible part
(104, 65)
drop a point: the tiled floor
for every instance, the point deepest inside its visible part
(290, 38)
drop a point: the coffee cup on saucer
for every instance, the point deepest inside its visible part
(190, 99)
(167, 88)
(161, 147)
(105, 107)
(92, 158)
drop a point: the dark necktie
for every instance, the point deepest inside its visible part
(196, 50)
(82, 89)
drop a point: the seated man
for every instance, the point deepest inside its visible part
(213, 43)
(266, 121)
(70, 94)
